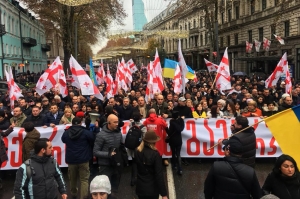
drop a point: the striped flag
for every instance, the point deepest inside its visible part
(92, 73)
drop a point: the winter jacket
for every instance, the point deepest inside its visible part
(150, 177)
(249, 113)
(4, 124)
(248, 139)
(159, 125)
(45, 179)
(162, 109)
(230, 179)
(105, 140)
(126, 112)
(38, 121)
(51, 119)
(26, 110)
(65, 120)
(19, 120)
(184, 111)
(266, 112)
(283, 187)
(284, 106)
(79, 142)
(28, 143)
(3, 148)
(174, 132)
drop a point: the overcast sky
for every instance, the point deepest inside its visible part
(152, 9)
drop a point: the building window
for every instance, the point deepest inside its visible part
(228, 40)
(273, 31)
(201, 22)
(237, 12)
(252, 6)
(221, 41)
(229, 15)
(260, 34)
(250, 36)
(263, 4)
(236, 39)
(287, 28)
(194, 23)
(189, 25)
(180, 27)
(206, 38)
(276, 2)
(222, 17)
(185, 27)
(201, 40)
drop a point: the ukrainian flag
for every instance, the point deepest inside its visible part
(285, 127)
(92, 73)
(169, 70)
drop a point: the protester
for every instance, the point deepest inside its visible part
(100, 187)
(45, 176)
(67, 117)
(284, 180)
(36, 117)
(31, 137)
(79, 151)
(54, 116)
(18, 118)
(150, 178)
(4, 122)
(231, 178)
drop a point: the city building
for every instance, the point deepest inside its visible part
(238, 21)
(23, 46)
(138, 15)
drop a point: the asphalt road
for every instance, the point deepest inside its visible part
(188, 186)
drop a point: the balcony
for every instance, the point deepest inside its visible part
(29, 42)
(194, 30)
(45, 47)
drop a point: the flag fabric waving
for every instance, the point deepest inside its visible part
(83, 80)
(100, 74)
(92, 72)
(248, 47)
(14, 91)
(211, 66)
(266, 44)
(279, 70)
(159, 82)
(132, 66)
(223, 74)
(53, 77)
(149, 89)
(286, 135)
(109, 84)
(281, 41)
(288, 80)
(257, 45)
(182, 65)
(177, 80)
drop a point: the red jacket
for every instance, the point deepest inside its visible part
(159, 125)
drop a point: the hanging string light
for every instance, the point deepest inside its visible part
(74, 2)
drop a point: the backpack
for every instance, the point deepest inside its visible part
(134, 137)
(30, 170)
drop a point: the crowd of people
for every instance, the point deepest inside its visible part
(101, 141)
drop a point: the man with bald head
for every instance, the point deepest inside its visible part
(107, 143)
(161, 107)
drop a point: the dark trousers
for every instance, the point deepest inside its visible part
(176, 159)
(113, 174)
(148, 197)
(133, 171)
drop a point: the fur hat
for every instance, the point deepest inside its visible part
(151, 137)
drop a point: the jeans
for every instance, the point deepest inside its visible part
(176, 159)
(83, 172)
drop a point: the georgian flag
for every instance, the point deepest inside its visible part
(281, 41)
(248, 47)
(223, 74)
(277, 73)
(14, 91)
(266, 44)
(257, 45)
(211, 66)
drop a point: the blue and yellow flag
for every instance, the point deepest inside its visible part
(169, 70)
(285, 127)
(92, 73)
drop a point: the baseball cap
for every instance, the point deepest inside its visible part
(182, 99)
(80, 114)
(100, 184)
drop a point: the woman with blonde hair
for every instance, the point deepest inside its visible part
(67, 117)
(150, 179)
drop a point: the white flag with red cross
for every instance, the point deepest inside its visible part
(83, 80)
(132, 66)
(281, 41)
(223, 74)
(248, 47)
(288, 80)
(159, 82)
(257, 45)
(211, 67)
(14, 91)
(54, 76)
(100, 74)
(277, 73)
(109, 84)
(182, 65)
(177, 80)
(149, 89)
(266, 44)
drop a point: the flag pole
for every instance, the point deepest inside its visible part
(212, 86)
(238, 133)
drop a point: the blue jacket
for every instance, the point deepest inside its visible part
(79, 144)
(50, 118)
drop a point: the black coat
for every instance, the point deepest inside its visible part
(150, 177)
(174, 132)
(4, 124)
(39, 120)
(283, 187)
(184, 111)
(125, 113)
(51, 119)
(27, 110)
(222, 181)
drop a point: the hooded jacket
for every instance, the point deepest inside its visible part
(105, 140)
(79, 144)
(174, 132)
(159, 125)
(44, 182)
(28, 143)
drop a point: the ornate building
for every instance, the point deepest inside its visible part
(238, 21)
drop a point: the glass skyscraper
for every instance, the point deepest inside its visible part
(138, 15)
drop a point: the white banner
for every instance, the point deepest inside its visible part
(199, 135)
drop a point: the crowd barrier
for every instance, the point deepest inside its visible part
(198, 136)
